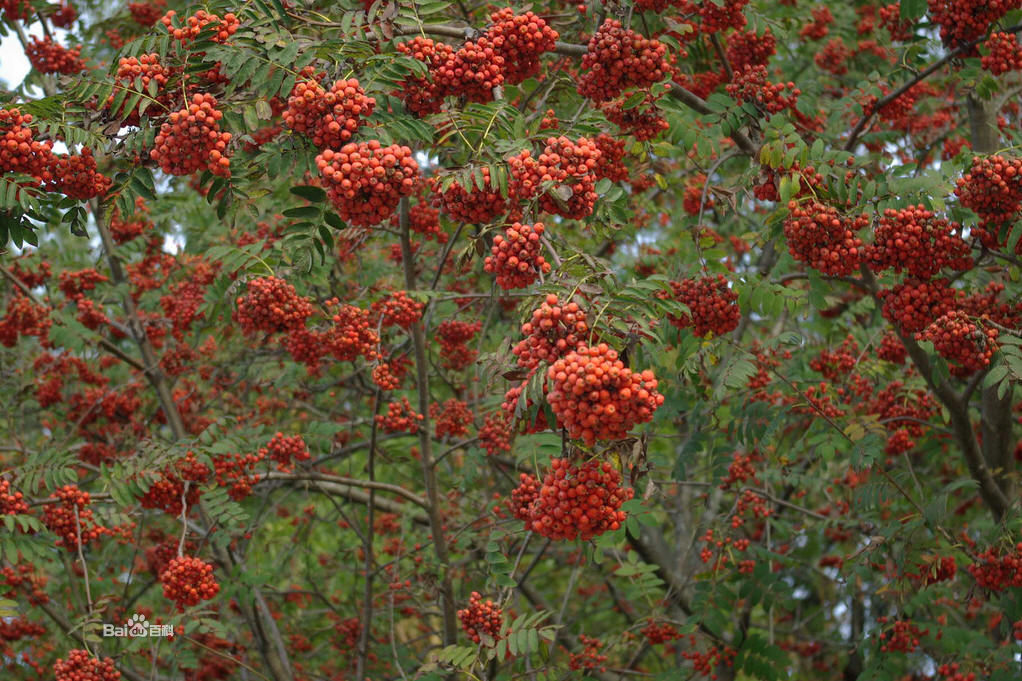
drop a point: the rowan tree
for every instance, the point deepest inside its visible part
(426, 340)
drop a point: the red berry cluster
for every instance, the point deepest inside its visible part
(475, 206)
(891, 349)
(480, 618)
(495, 433)
(200, 21)
(272, 305)
(72, 518)
(963, 21)
(643, 122)
(19, 151)
(351, 335)
(750, 84)
(819, 27)
(913, 239)
(75, 175)
(453, 337)
(961, 341)
(992, 189)
(833, 57)
(471, 72)
(397, 309)
(137, 73)
(913, 305)
(424, 219)
(574, 502)
(713, 306)
(521, 40)
(569, 166)
(998, 571)
(450, 420)
(147, 13)
(589, 658)
(658, 633)
(612, 153)
(821, 238)
(82, 666)
(513, 403)
(596, 397)
(552, 332)
(285, 451)
(389, 375)
(890, 18)
(11, 504)
(516, 259)
(400, 418)
(934, 570)
(716, 17)
(903, 636)
(365, 181)
(331, 117)
(187, 581)
(745, 48)
(618, 58)
(1004, 53)
(47, 56)
(15, 10)
(422, 95)
(949, 672)
(190, 140)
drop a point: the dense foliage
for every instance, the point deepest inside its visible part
(644, 339)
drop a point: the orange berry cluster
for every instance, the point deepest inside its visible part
(612, 153)
(400, 418)
(643, 122)
(144, 69)
(190, 140)
(272, 305)
(451, 420)
(453, 337)
(72, 518)
(285, 451)
(19, 151)
(589, 658)
(397, 309)
(574, 502)
(822, 239)
(495, 433)
(422, 95)
(512, 399)
(960, 341)
(1004, 53)
(521, 40)
(365, 181)
(480, 618)
(913, 239)
(351, 335)
(188, 580)
(82, 666)
(200, 21)
(751, 85)
(596, 397)
(903, 636)
(992, 189)
(388, 375)
(963, 21)
(516, 259)
(47, 56)
(998, 571)
(471, 72)
(745, 48)
(147, 13)
(475, 206)
(570, 166)
(553, 331)
(424, 219)
(11, 504)
(713, 306)
(329, 117)
(913, 305)
(618, 58)
(75, 175)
